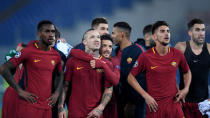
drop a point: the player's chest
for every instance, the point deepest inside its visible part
(43, 62)
(83, 69)
(164, 65)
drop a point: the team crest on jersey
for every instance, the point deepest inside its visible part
(136, 64)
(17, 55)
(129, 60)
(53, 62)
(173, 64)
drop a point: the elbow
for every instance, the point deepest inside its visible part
(117, 80)
(115, 83)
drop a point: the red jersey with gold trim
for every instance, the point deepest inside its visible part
(39, 66)
(87, 86)
(161, 71)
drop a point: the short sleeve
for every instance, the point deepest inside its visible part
(107, 84)
(69, 70)
(183, 64)
(139, 65)
(19, 57)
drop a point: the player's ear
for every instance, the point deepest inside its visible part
(190, 33)
(123, 34)
(84, 42)
(38, 33)
(154, 36)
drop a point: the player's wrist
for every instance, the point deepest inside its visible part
(19, 90)
(101, 107)
(186, 89)
(60, 109)
(145, 95)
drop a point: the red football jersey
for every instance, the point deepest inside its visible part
(87, 86)
(161, 71)
(39, 66)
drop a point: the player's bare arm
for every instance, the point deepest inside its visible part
(61, 110)
(97, 112)
(150, 101)
(181, 46)
(54, 97)
(6, 71)
(208, 47)
(182, 93)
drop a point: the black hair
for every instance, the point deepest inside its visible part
(147, 29)
(98, 21)
(157, 24)
(23, 45)
(193, 22)
(124, 26)
(42, 23)
(106, 37)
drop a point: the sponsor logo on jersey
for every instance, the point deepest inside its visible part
(79, 68)
(153, 67)
(129, 60)
(36, 60)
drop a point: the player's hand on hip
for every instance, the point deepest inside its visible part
(53, 99)
(29, 97)
(61, 112)
(152, 104)
(95, 113)
(180, 95)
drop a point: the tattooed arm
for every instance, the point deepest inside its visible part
(61, 110)
(107, 95)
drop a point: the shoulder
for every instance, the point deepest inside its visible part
(28, 50)
(208, 47)
(181, 46)
(133, 50)
(177, 53)
(56, 52)
(175, 50)
(71, 60)
(115, 60)
(149, 51)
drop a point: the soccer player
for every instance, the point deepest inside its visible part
(160, 64)
(101, 25)
(196, 52)
(89, 75)
(130, 103)
(147, 32)
(39, 61)
(106, 50)
(55, 82)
